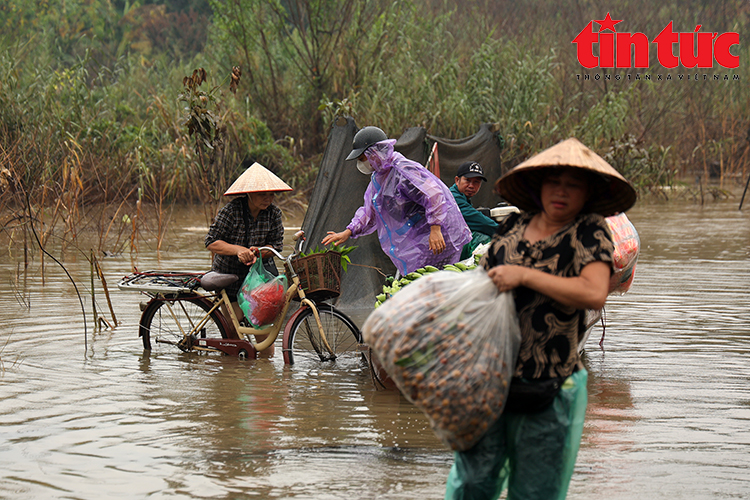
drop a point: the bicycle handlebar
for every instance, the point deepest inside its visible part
(299, 237)
(277, 254)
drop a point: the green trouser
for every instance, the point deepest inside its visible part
(533, 455)
(477, 239)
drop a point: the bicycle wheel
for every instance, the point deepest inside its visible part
(166, 321)
(304, 341)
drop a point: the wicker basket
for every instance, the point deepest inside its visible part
(319, 275)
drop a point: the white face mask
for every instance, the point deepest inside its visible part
(364, 167)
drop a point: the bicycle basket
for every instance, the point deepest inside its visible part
(319, 275)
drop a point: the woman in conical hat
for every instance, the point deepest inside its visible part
(610, 194)
(555, 257)
(247, 222)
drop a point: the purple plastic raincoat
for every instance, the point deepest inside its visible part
(402, 201)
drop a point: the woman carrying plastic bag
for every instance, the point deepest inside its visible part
(556, 258)
(250, 220)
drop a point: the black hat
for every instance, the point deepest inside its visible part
(365, 138)
(471, 169)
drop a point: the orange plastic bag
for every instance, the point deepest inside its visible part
(627, 247)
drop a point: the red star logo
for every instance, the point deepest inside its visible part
(607, 23)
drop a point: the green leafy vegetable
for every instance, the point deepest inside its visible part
(342, 249)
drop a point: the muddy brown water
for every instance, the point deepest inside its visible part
(668, 415)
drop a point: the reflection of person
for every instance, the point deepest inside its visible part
(417, 220)
(468, 181)
(556, 258)
(245, 223)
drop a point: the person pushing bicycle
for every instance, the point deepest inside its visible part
(248, 221)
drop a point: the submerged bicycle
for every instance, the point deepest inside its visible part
(189, 310)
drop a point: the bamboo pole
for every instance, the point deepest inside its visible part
(93, 293)
(744, 192)
(106, 293)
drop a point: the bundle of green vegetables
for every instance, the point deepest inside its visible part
(393, 285)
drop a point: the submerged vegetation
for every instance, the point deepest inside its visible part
(111, 111)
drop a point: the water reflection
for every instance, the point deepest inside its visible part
(668, 408)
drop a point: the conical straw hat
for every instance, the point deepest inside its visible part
(257, 179)
(521, 185)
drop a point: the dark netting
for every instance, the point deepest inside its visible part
(340, 187)
(483, 147)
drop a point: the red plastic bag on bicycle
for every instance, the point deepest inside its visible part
(449, 341)
(261, 297)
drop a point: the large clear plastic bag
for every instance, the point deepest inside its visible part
(261, 297)
(627, 245)
(449, 341)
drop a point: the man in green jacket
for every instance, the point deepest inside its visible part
(468, 181)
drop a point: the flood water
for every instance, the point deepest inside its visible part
(88, 414)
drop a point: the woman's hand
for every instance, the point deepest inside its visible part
(245, 255)
(436, 241)
(248, 255)
(507, 278)
(337, 238)
(587, 291)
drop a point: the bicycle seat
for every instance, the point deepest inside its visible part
(212, 280)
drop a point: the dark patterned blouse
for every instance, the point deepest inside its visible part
(549, 330)
(229, 226)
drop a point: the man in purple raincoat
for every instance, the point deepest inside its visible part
(414, 212)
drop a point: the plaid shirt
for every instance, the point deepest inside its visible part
(229, 226)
